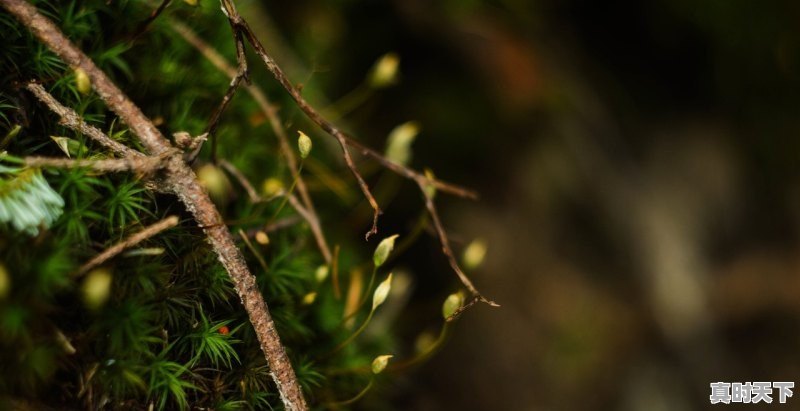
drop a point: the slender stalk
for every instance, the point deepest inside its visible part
(129, 242)
(357, 397)
(352, 336)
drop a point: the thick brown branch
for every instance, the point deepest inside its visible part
(116, 100)
(181, 180)
(129, 242)
(70, 119)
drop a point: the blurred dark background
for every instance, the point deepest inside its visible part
(638, 168)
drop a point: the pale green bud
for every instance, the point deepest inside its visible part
(309, 298)
(381, 292)
(380, 362)
(452, 303)
(96, 288)
(262, 237)
(303, 144)
(398, 145)
(474, 253)
(272, 186)
(215, 182)
(384, 72)
(322, 273)
(69, 146)
(383, 250)
(82, 82)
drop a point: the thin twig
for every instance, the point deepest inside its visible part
(129, 242)
(254, 250)
(240, 25)
(308, 216)
(242, 180)
(141, 165)
(270, 112)
(70, 119)
(448, 252)
(258, 95)
(278, 225)
(181, 180)
(143, 26)
(314, 224)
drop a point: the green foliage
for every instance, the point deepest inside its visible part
(173, 333)
(27, 201)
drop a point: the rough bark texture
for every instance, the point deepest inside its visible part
(181, 180)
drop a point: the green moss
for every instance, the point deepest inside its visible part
(172, 332)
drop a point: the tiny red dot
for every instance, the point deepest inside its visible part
(224, 330)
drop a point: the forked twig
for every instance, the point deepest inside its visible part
(129, 242)
(270, 112)
(448, 252)
(239, 25)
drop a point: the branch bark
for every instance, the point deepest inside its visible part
(141, 165)
(70, 119)
(181, 180)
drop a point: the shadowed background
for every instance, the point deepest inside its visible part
(638, 169)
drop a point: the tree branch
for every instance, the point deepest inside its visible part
(141, 165)
(129, 242)
(70, 119)
(181, 180)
